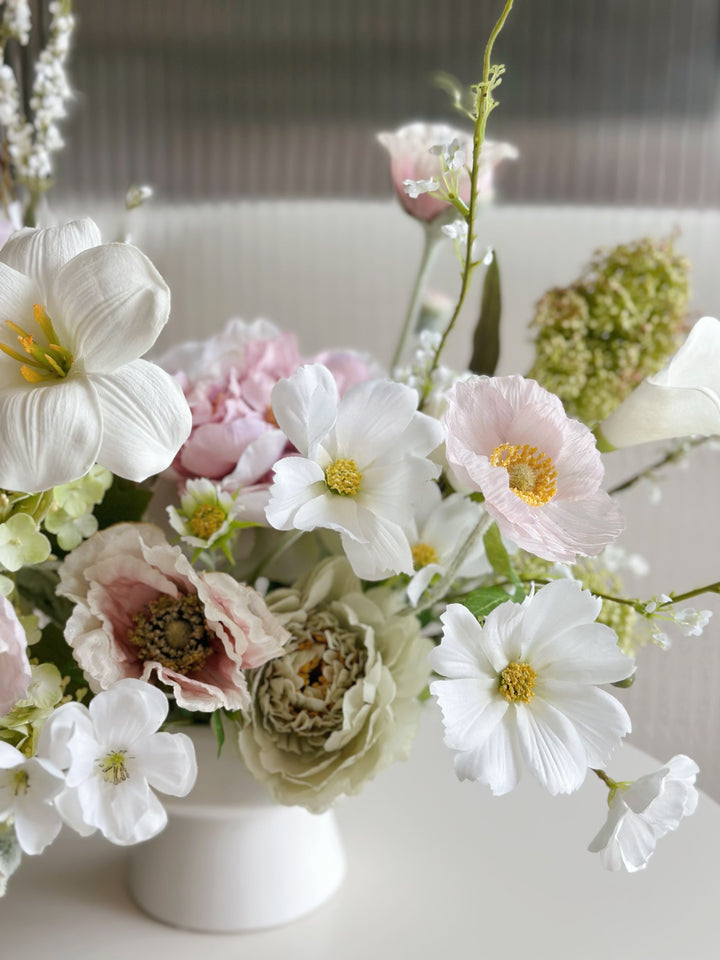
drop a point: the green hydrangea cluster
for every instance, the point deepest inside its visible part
(617, 324)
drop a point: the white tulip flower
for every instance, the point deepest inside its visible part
(27, 790)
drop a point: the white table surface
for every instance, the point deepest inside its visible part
(436, 868)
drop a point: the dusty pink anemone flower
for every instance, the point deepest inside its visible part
(228, 380)
(411, 159)
(142, 611)
(14, 664)
(539, 471)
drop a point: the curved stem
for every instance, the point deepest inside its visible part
(431, 243)
(672, 456)
(445, 582)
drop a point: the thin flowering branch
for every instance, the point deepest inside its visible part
(443, 585)
(484, 105)
(674, 455)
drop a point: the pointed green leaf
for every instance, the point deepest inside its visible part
(486, 339)
(481, 601)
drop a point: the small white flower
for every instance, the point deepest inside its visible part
(453, 155)
(643, 811)
(362, 467)
(206, 514)
(414, 188)
(113, 755)
(27, 791)
(660, 612)
(523, 689)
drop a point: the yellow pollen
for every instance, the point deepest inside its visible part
(343, 477)
(207, 520)
(531, 473)
(113, 768)
(423, 555)
(41, 363)
(517, 682)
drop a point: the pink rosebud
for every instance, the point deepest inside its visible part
(14, 664)
(411, 159)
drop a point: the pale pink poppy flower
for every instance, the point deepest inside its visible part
(411, 159)
(14, 665)
(142, 611)
(539, 471)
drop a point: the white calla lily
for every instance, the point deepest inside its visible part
(75, 391)
(682, 399)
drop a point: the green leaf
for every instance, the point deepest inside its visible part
(481, 601)
(53, 648)
(36, 586)
(486, 339)
(497, 555)
(124, 502)
(219, 730)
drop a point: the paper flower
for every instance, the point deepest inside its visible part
(362, 467)
(28, 788)
(113, 758)
(142, 611)
(540, 472)
(643, 811)
(412, 159)
(522, 689)
(681, 400)
(341, 704)
(76, 316)
(14, 664)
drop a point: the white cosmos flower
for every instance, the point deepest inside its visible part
(680, 400)
(440, 528)
(644, 811)
(522, 689)
(75, 317)
(112, 756)
(27, 790)
(362, 467)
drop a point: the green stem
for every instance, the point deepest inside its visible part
(431, 244)
(485, 106)
(689, 594)
(284, 545)
(671, 456)
(445, 582)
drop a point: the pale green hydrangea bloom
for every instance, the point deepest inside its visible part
(22, 543)
(21, 727)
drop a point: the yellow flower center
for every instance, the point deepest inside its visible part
(207, 520)
(517, 682)
(532, 473)
(113, 768)
(423, 555)
(40, 363)
(343, 477)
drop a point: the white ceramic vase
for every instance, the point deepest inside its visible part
(230, 858)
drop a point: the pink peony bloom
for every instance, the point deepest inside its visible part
(410, 159)
(539, 471)
(228, 380)
(142, 611)
(14, 664)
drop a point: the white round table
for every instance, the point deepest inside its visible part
(436, 869)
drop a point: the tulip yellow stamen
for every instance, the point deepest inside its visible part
(531, 472)
(423, 555)
(343, 477)
(41, 363)
(517, 682)
(113, 768)
(207, 520)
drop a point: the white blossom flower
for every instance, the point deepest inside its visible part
(416, 188)
(362, 467)
(112, 756)
(660, 610)
(27, 790)
(680, 400)
(206, 515)
(522, 689)
(80, 394)
(643, 811)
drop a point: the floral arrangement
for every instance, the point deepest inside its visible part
(302, 550)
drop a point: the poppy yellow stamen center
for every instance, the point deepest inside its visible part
(207, 520)
(531, 472)
(40, 363)
(343, 477)
(423, 555)
(113, 768)
(517, 682)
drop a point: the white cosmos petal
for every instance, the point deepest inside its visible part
(497, 763)
(420, 581)
(384, 552)
(551, 747)
(48, 434)
(297, 482)
(585, 654)
(599, 718)
(127, 712)
(470, 709)
(39, 254)
(556, 608)
(461, 653)
(305, 406)
(146, 419)
(168, 762)
(372, 418)
(108, 306)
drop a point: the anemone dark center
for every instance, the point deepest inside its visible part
(173, 632)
